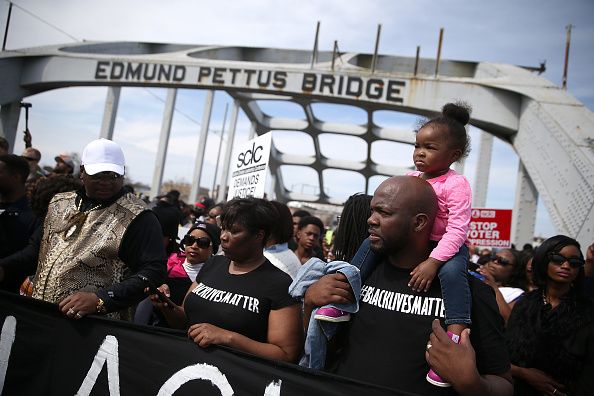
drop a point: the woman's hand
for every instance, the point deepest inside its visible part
(489, 279)
(205, 334)
(542, 382)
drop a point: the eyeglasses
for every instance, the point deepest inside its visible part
(108, 176)
(559, 259)
(500, 260)
(203, 242)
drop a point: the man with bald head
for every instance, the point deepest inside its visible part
(386, 341)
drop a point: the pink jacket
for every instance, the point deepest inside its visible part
(175, 268)
(454, 200)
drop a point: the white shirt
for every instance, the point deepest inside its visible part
(192, 269)
(510, 293)
(283, 258)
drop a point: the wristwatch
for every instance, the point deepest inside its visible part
(100, 308)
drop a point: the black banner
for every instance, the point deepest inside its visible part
(44, 353)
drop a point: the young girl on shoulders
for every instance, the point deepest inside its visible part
(440, 142)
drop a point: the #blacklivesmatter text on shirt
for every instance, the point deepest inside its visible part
(412, 304)
(226, 297)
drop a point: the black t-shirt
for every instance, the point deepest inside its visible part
(239, 303)
(387, 338)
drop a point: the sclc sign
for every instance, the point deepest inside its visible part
(250, 156)
(250, 163)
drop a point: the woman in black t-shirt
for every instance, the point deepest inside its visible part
(241, 300)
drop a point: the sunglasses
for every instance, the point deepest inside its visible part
(203, 242)
(109, 176)
(500, 260)
(559, 259)
(31, 158)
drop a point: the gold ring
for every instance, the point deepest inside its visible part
(428, 345)
(70, 312)
(78, 315)
(554, 391)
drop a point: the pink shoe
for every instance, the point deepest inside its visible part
(432, 377)
(332, 315)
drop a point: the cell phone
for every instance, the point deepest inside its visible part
(153, 290)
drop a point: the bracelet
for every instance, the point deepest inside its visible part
(100, 308)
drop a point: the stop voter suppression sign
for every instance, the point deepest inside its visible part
(490, 227)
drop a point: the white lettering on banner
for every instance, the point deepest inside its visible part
(273, 388)
(203, 371)
(401, 302)
(108, 351)
(197, 372)
(6, 340)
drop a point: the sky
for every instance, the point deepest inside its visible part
(507, 31)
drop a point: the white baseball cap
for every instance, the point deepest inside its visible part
(103, 155)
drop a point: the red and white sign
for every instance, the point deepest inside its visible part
(490, 227)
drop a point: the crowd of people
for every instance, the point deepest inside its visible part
(394, 285)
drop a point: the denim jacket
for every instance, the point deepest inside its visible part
(319, 332)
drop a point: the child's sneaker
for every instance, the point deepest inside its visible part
(332, 315)
(432, 376)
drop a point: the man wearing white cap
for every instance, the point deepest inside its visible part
(100, 245)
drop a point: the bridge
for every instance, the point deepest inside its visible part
(552, 132)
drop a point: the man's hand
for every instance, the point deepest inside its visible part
(542, 382)
(329, 289)
(456, 363)
(27, 138)
(79, 304)
(423, 274)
